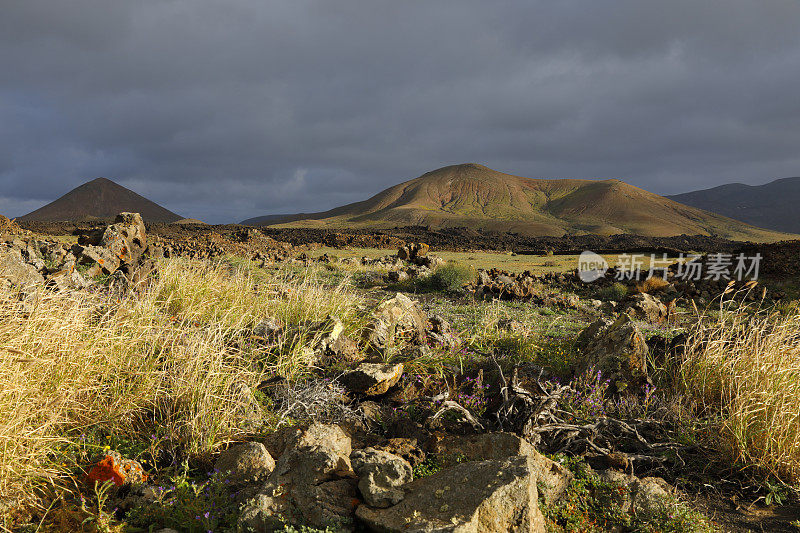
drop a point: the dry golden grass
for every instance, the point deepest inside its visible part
(745, 366)
(171, 359)
(651, 285)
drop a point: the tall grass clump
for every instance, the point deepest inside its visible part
(744, 367)
(451, 276)
(174, 360)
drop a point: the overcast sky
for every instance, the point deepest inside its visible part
(226, 109)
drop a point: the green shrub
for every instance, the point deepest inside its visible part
(617, 291)
(451, 276)
(593, 505)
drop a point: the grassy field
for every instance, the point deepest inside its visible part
(159, 374)
(485, 260)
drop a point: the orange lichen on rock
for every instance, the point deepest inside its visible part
(113, 467)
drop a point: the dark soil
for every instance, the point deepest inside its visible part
(453, 239)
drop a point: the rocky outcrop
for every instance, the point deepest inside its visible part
(14, 271)
(117, 246)
(499, 284)
(645, 307)
(312, 483)
(617, 349)
(118, 249)
(552, 478)
(8, 227)
(481, 497)
(394, 322)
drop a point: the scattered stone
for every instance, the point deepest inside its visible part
(337, 346)
(642, 496)
(650, 494)
(441, 333)
(381, 474)
(113, 467)
(269, 329)
(512, 326)
(396, 276)
(414, 252)
(245, 463)
(372, 379)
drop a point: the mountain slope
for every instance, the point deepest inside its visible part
(478, 197)
(103, 199)
(772, 205)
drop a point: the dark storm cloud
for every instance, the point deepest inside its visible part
(222, 110)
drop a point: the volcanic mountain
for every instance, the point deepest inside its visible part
(478, 197)
(101, 199)
(772, 205)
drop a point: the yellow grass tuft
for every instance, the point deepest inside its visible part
(172, 359)
(652, 285)
(745, 365)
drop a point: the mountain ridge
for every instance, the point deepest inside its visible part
(771, 205)
(476, 196)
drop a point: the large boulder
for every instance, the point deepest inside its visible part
(552, 478)
(119, 246)
(16, 272)
(372, 379)
(641, 496)
(381, 476)
(617, 349)
(644, 306)
(334, 345)
(312, 483)
(245, 463)
(474, 497)
(394, 322)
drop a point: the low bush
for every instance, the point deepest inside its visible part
(593, 505)
(615, 292)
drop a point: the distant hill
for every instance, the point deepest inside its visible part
(478, 197)
(100, 199)
(773, 205)
(266, 220)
